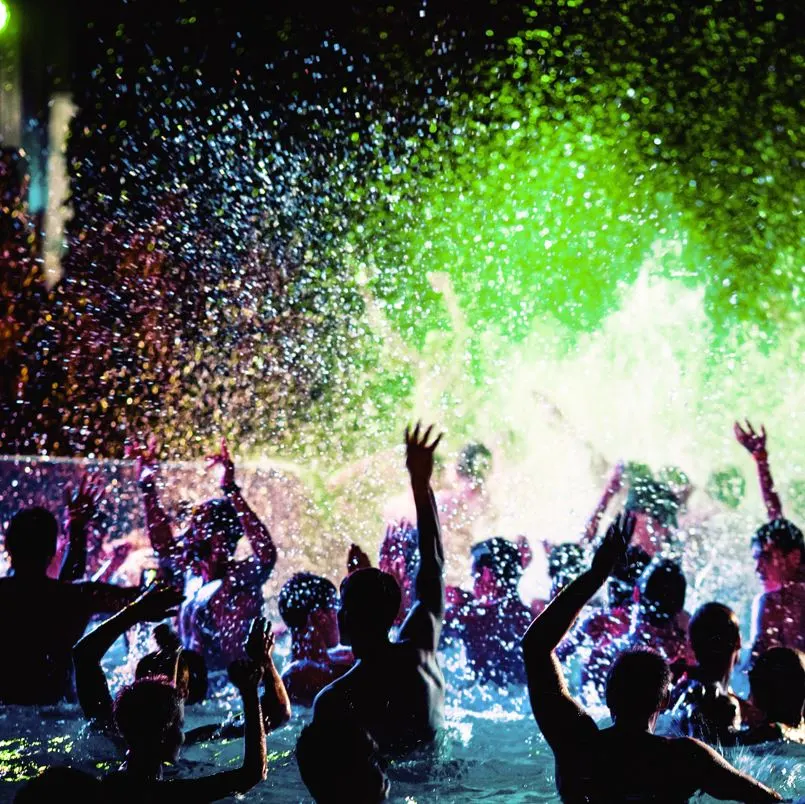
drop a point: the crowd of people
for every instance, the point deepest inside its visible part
(366, 658)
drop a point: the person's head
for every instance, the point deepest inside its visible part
(624, 577)
(60, 784)
(191, 669)
(678, 481)
(777, 684)
(399, 552)
(474, 464)
(31, 539)
(565, 564)
(308, 602)
(662, 591)
(149, 714)
(727, 486)
(779, 552)
(655, 507)
(370, 600)
(339, 762)
(211, 538)
(715, 636)
(496, 568)
(638, 686)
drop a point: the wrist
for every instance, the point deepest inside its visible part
(760, 455)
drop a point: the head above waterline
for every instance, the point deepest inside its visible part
(370, 600)
(638, 688)
(211, 538)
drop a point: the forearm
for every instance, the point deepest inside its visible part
(552, 625)
(93, 646)
(157, 521)
(774, 508)
(253, 528)
(276, 704)
(430, 578)
(254, 750)
(74, 563)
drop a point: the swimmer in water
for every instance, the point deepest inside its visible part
(625, 762)
(154, 605)
(395, 690)
(777, 685)
(704, 704)
(308, 605)
(47, 615)
(778, 613)
(214, 617)
(492, 620)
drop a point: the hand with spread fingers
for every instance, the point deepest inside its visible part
(223, 458)
(419, 453)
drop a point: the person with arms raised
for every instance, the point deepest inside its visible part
(395, 690)
(625, 762)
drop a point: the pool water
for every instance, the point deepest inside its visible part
(490, 750)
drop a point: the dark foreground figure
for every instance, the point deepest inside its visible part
(626, 762)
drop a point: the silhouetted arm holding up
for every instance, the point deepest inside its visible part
(80, 506)
(253, 528)
(558, 715)
(157, 521)
(424, 622)
(154, 605)
(245, 674)
(612, 488)
(755, 444)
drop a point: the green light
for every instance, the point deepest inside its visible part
(5, 15)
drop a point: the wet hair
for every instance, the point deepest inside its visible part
(191, 673)
(303, 594)
(370, 599)
(222, 520)
(60, 784)
(405, 544)
(780, 533)
(777, 683)
(146, 710)
(637, 683)
(338, 762)
(714, 633)
(625, 575)
(662, 591)
(501, 556)
(474, 462)
(32, 536)
(565, 562)
(655, 499)
(727, 485)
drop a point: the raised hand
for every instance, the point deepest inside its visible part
(419, 457)
(260, 642)
(357, 559)
(157, 603)
(245, 674)
(223, 458)
(145, 458)
(614, 544)
(82, 502)
(524, 550)
(754, 443)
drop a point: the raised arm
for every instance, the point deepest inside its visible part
(716, 777)
(154, 605)
(245, 674)
(612, 488)
(558, 716)
(80, 507)
(755, 444)
(253, 528)
(424, 621)
(157, 521)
